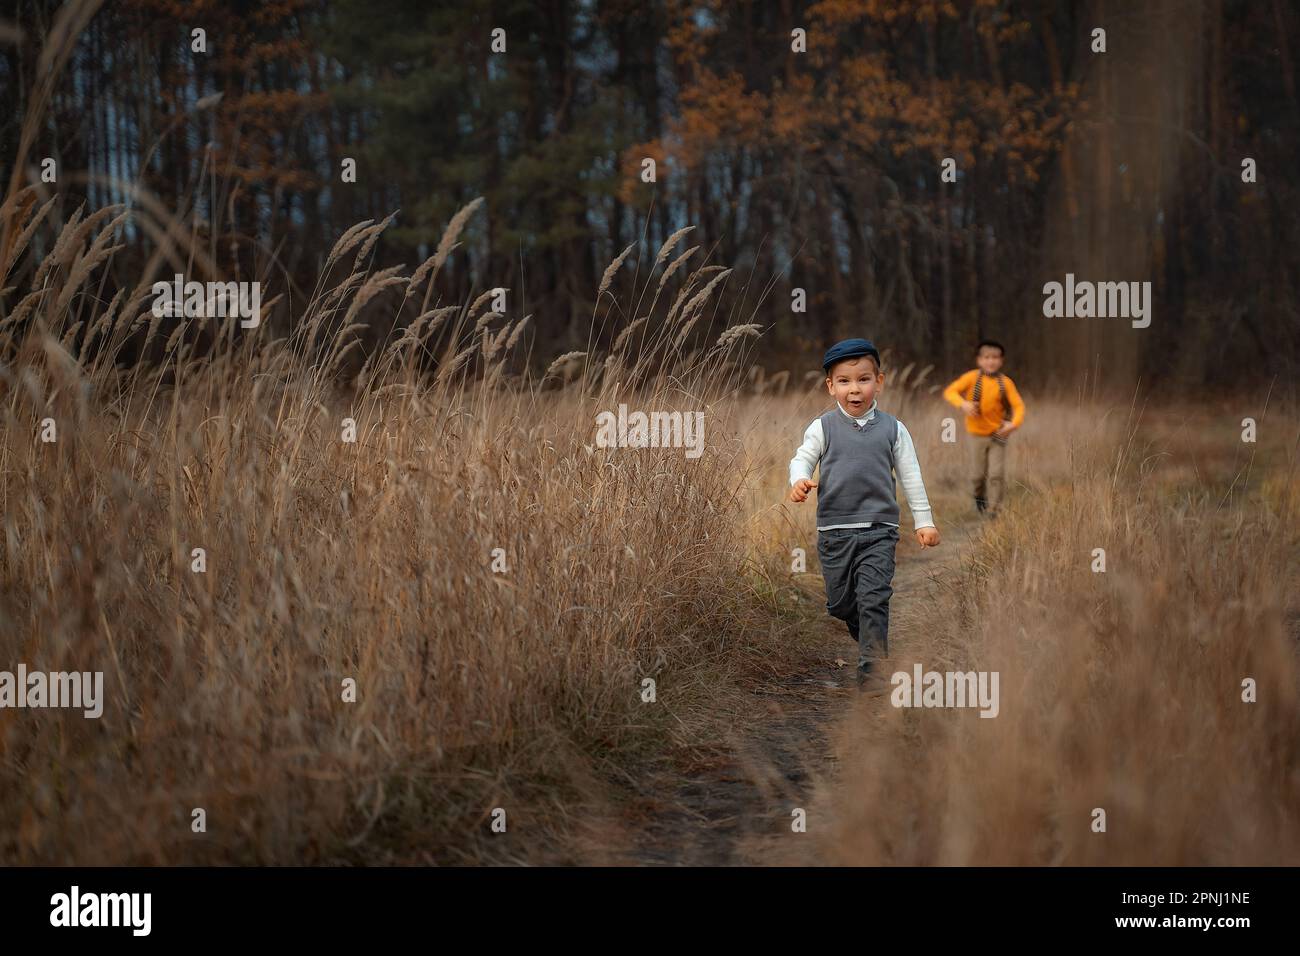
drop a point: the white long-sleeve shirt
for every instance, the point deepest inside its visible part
(906, 467)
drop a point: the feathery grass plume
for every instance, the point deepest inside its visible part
(61, 363)
(373, 286)
(24, 237)
(142, 291)
(473, 308)
(682, 294)
(344, 332)
(351, 236)
(25, 305)
(61, 241)
(401, 389)
(453, 231)
(445, 245)
(413, 330)
(685, 330)
(627, 332)
(439, 317)
(412, 333)
(105, 322)
(697, 303)
(668, 245)
(612, 268)
(417, 277)
(19, 198)
(514, 336)
(415, 334)
(175, 336)
(497, 341)
(337, 358)
(66, 341)
(94, 219)
(458, 360)
(502, 336)
(735, 333)
(371, 235)
(112, 315)
(563, 363)
(400, 343)
(685, 294)
(321, 310)
(154, 321)
(337, 294)
(673, 267)
(140, 320)
(97, 252)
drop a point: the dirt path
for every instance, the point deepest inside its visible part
(728, 800)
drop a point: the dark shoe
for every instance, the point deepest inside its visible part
(871, 684)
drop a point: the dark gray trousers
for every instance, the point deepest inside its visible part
(858, 567)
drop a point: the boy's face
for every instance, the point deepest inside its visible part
(854, 382)
(989, 359)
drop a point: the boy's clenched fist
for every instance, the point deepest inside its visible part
(799, 490)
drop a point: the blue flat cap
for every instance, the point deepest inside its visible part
(850, 348)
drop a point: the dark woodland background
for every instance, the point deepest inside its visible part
(819, 170)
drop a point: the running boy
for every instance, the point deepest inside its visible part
(993, 411)
(860, 450)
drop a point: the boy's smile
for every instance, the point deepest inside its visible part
(855, 382)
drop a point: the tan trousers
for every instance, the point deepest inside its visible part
(988, 469)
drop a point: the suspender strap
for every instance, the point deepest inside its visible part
(1002, 392)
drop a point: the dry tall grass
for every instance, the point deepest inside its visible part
(373, 560)
(1119, 690)
(328, 560)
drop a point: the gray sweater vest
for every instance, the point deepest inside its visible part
(857, 470)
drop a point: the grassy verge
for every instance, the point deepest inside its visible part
(1120, 690)
(352, 591)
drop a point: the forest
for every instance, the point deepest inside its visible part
(910, 170)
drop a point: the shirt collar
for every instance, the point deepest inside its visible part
(871, 413)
